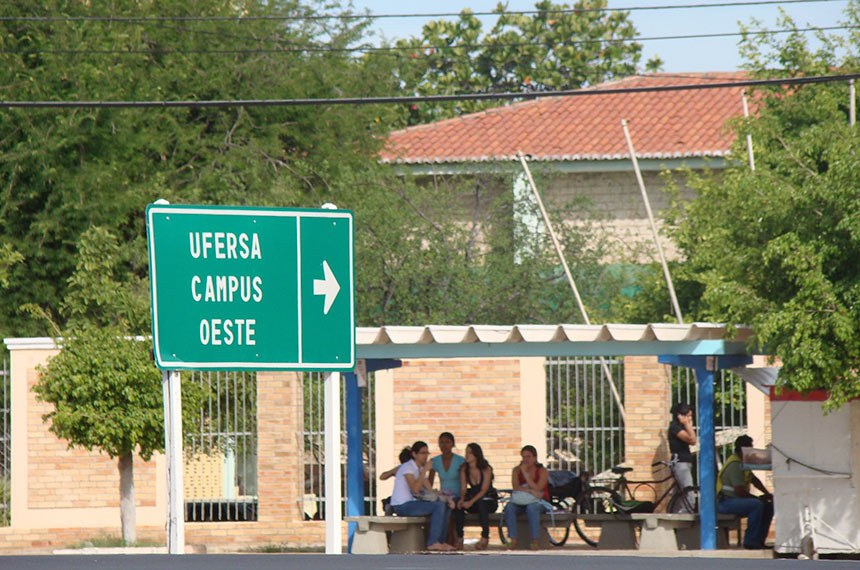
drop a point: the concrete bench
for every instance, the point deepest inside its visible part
(408, 534)
(371, 534)
(657, 531)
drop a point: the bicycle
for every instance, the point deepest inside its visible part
(559, 529)
(628, 498)
(619, 498)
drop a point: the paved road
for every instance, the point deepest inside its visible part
(400, 562)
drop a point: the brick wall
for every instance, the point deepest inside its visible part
(499, 403)
(53, 468)
(476, 400)
(647, 400)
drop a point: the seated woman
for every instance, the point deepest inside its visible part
(477, 494)
(404, 456)
(447, 465)
(529, 477)
(410, 480)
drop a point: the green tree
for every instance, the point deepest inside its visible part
(778, 248)
(449, 251)
(8, 258)
(562, 46)
(103, 384)
(64, 170)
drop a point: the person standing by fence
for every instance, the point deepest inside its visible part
(682, 435)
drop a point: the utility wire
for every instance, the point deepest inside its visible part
(352, 16)
(421, 98)
(288, 47)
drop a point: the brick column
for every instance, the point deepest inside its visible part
(279, 448)
(647, 399)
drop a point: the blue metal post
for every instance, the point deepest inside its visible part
(354, 442)
(354, 453)
(707, 454)
(705, 366)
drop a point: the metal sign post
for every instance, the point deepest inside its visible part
(173, 454)
(250, 289)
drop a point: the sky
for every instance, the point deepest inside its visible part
(712, 54)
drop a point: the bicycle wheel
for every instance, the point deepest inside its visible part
(594, 501)
(679, 503)
(560, 530)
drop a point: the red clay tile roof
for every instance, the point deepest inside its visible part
(663, 124)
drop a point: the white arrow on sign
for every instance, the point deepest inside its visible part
(327, 286)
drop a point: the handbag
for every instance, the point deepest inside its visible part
(491, 495)
(523, 498)
(428, 495)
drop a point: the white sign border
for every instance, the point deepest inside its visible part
(273, 212)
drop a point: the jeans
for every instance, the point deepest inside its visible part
(532, 511)
(683, 473)
(438, 512)
(483, 508)
(759, 514)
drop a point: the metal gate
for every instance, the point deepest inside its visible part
(221, 452)
(584, 428)
(313, 438)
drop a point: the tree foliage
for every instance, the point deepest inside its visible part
(778, 248)
(449, 250)
(104, 386)
(63, 171)
(418, 261)
(562, 46)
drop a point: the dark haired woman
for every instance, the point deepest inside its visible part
(404, 456)
(682, 435)
(477, 494)
(410, 480)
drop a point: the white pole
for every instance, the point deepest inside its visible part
(852, 103)
(570, 281)
(750, 155)
(333, 507)
(173, 453)
(651, 221)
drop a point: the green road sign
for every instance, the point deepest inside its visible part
(251, 288)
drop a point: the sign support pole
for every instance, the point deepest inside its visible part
(333, 493)
(173, 454)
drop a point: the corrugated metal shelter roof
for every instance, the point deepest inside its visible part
(549, 340)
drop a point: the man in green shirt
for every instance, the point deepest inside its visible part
(734, 497)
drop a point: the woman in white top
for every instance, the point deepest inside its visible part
(410, 480)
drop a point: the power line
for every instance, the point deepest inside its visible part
(793, 81)
(288, 47)
(369, 16)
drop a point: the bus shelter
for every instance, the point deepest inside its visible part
(704, 347)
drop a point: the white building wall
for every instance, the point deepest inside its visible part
(816, 470)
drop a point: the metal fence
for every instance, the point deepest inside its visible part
(584, 427)
(313, 437)
(221, 451)
(585, 430)
(5, 441)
